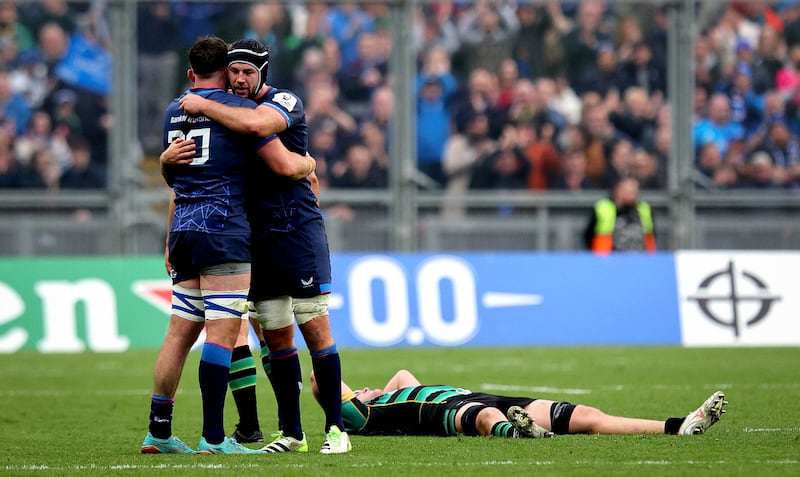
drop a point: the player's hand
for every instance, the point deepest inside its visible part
(192, 103)
(180, 151)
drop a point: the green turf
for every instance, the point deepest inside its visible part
(86, 414)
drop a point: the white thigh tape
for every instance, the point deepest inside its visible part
(187, 303)
(225, 304)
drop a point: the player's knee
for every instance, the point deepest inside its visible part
(560, 416)
(275, 313)
(587, 419)
(470, 425)
(306, 309)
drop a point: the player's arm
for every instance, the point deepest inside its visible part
(314, 180)
(167, 263)
(262, 121)
(179, 152)
(284, 162)
(401, 379)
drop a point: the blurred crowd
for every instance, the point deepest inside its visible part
(509, 95)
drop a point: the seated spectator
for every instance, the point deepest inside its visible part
(713, 172)
(760, 172)
(718, 127)
(359, 170)
(43, 172)
(83, 173)
(784, 150)
(573, 176)
(506, 168)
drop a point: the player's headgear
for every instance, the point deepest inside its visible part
(253, 53)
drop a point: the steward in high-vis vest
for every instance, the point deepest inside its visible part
(622, 223)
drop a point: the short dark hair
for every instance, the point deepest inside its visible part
(208, 55)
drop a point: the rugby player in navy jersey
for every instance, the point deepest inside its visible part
(406, 407)
(209, 251)
(291, 275)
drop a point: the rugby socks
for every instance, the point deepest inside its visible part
(265, 357)
(287, 380)
(161, 416)
(242, 381)
(504, 429)
(328, 372)
(215, 363)
(673, 425)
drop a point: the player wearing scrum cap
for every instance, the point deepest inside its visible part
(291, 274)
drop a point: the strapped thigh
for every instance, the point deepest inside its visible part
(470, 417)
(225, 304)
(187, 303)
(306, 309)
(275, 313)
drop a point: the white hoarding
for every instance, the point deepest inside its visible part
(732, 298)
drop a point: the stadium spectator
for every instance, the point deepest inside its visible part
(601, 136)
(157, 34)
(536, 142)
(486, 32)
(83, 173)
(13, 107)
(582, 43)
(364, 74)
(433, 125)
(359, 170)
(404, 406)
(345, 23)
(462, 152)
(480, 96)
(434, 29)
(622, 222)
(713, 172)
(636, 120)
(505, 168)
(537, 46)
(784, 151)
(718, 127)
(643, 71)
(603, 76)
(761, 172)
(15, 37)
(767, 58)
(573, 177)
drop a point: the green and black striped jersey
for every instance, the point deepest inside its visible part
(417, 410)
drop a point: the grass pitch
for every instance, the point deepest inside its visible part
(86, 414)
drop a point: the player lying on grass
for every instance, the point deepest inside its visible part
(406, 407)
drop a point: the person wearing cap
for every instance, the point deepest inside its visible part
(291, 259)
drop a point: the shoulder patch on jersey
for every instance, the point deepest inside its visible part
(287, 100)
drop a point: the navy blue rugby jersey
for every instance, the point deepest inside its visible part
(209, 193)
(279, 203)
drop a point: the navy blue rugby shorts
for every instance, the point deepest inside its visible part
(294, 262)
(190, 252)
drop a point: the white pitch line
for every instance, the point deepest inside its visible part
(773, 429)
(535, 389)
